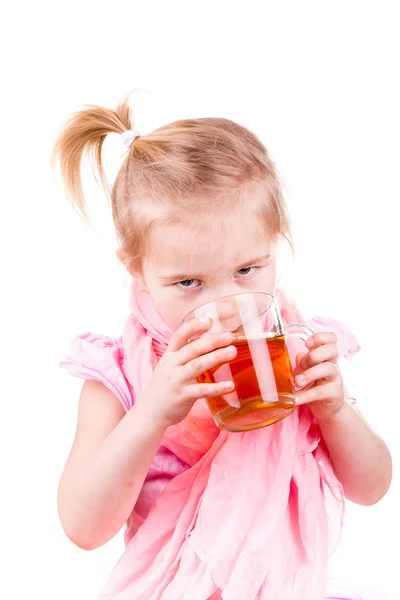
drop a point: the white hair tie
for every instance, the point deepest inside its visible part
(128, 136)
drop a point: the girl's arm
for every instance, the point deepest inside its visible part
(360, 458)
(106, 468)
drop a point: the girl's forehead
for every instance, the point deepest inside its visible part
(207, 246)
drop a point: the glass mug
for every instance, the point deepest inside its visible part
(261, 371)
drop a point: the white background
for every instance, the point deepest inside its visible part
(318, 82)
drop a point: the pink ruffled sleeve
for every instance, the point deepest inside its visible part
(99, 358)
(347, 342)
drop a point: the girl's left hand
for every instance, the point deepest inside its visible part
(319, 365)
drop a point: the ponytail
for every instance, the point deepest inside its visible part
(84, 133)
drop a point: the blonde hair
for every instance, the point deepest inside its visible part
(204, 165)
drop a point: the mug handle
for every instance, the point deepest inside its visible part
(303, 332)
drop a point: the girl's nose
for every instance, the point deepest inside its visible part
(228, 314)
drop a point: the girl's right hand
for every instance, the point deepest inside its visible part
(173, 387)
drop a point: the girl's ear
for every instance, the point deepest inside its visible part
(122, 256)
(140, 282)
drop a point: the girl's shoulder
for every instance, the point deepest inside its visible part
(98, 357)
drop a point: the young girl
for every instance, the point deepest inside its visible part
(199, 214)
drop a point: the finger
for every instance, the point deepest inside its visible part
(321, 337)
(203, 345)
(299, 368)
(327, 352)
(186, 331)
(210, 390)
(206, 362)
(325, 370)
(320, 392)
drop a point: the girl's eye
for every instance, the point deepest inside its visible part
(188, 283)
(248, 271)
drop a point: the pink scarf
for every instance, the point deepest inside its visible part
(255, 517)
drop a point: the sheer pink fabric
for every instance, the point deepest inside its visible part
(257, 514)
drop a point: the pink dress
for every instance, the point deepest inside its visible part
(99, 357)
(173, 550)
